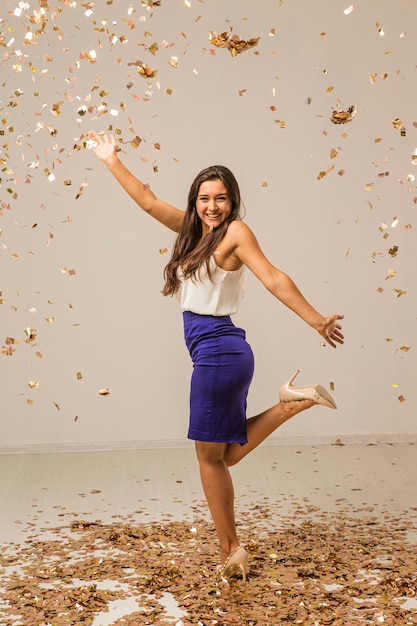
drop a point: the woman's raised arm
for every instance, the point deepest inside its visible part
(105, 149)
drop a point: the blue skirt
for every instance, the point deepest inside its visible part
(223, 370)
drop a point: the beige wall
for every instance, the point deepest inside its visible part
(111, 323)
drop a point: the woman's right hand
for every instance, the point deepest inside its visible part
(105, 148)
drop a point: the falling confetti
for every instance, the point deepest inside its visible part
(343, 117)
(398, 125)
(233, 43)
(144, 70)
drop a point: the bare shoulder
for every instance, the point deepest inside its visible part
(238, 230)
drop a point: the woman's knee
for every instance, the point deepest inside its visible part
(210, 452)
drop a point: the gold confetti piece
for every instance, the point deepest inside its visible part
(163, 250)
(333, 153)
(372, 78)
(56, 405)
(341, 172)
(79, 375)
(233, 43)
(380, 290)
(50, 320)
(33, 384)
(144, 70)
(380, 29)
(349, 10)
(394, 385)
(104, 392)
(265, 184)
(398, 125)
(39, 355)
(331, 385)
(400, 292)
(401, 398)
(368, 186)
(391, 274)
(29, 401)
(343, 117)
(135, 143)
(324, 173)
(30, 334)
(76, 418)
(393, 251)
(173, 62)
(65, 270)
(405, 348)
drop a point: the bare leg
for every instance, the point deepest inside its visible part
(214, 459)
(219, 492)
(259, 427)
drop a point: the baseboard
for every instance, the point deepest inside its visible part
(299, 440)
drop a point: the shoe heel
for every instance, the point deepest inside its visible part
(291, 380)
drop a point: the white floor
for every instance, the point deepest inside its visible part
(41, 491)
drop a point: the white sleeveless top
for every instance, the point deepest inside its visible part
(219, 295)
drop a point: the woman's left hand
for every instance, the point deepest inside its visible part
(330, 330)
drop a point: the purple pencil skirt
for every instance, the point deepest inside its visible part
(223, 370)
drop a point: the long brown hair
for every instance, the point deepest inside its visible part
(191, 251)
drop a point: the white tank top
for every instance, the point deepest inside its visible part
(219, 295)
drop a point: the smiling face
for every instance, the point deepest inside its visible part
(213, 204)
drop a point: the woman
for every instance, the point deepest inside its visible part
(206, 271)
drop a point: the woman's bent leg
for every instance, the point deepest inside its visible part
(219, 492)
(259, 427)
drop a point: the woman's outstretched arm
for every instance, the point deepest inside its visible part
(246, 248)
(105, 150)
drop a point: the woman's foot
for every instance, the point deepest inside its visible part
(315, 393)
(236, 562)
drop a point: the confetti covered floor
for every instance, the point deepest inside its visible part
(124, 538)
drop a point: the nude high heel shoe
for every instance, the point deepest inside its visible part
(236, 562)
(288, 392)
